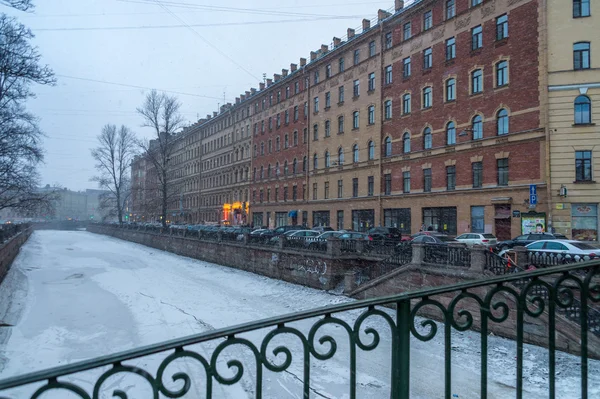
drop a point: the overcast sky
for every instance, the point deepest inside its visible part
(111, 41)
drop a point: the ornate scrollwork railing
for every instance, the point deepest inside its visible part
(245, 354)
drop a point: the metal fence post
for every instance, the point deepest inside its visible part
(401, 355)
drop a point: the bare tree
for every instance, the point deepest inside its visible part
(23, 5)
(20, 136)
(161, 113)
(113, 156)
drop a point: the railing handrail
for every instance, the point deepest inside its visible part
(101, 361)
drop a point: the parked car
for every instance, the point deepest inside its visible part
(275, 239)
(322, 229)
(384, 235)
(525, 239)
(354, 236)
(280, 230)
(546, 251)
(486, 239)
(434, 239)
(320, 242)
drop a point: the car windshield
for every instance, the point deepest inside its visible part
(583, 245)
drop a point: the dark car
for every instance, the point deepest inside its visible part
(384, 235)
(267, 235)
(434, 239)
(526, 239)
(320, 241)
(322, 229)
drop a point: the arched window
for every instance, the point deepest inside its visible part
(371, 150)
(583, 110)
(262, 173)
(315, 162)
(406, 143)
(355, 153)
(340, 156)
(277, 171)
(327, 159)
(502, 122)
(269, 171)
(285, 168)
(388, 147)
(450, 133)
(304, 160)
(477, 126)
(295, 166)
(427, 139)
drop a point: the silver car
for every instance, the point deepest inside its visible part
(488, 240)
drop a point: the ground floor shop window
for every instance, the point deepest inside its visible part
(280, 219)
(320, 218)
(257, 219)
(398, 218)
(268, 221)
(305, 219)
(477, 219)
(340, 220)
(363, 220)
(442, 219)
(584, 222)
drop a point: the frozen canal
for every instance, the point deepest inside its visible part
(72, 296)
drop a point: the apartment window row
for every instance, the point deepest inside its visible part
(339, 161)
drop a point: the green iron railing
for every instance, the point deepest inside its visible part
(480, 304)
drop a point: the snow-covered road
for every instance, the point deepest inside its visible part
(75, 295)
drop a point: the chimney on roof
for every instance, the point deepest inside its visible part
(302, 62)
(399, 5)
(366, 24)
(336, 41)
(351, 33)
(382, 14)
(324, 48)
(208, 117)
(284, 72)
(276, 77)
(215, 113)
(253, 91)
(242, 97)
(293, 67)
(269, 82)
(247, 94)
(261, 86)
(237, 100)
(313, 55)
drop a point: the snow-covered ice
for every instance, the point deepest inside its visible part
(72, 296)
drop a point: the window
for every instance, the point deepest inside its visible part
(581, 55)
(475, 2)
(355, 120)
(581, 8)
(287, 94)
(477, 126)
(370, 186)
(262, 148)
(328, 71)
(305, 109)
(502, 171)
(388, 40)
(340, 156)
(278, 121)
(341, 95)
(388, 147)
(502, 27)
(427, 97)
(304, 162)
(450, 133)
(476, 81)
(327, 100)
(315, 132)
(584, 222)
(296, 87)
(294, 193)
(427, 58)
(406, 143)
(406, 67)
(371, 150)
(387, 184)
(270, 146)
(295, 113)
(583, 165)
(477, 174)
(355, 153)
(340, 220)
(406, 104)
(315, 191)
(451, 89)
(287, 117)
(427, 138)
(356, 88)
(315, 162)
(285, 168)
(262, 172)
(450, 49)
(286, 141)
(372, 48)
(340, 124)
(295, 166)
(356, 56)
(371, 81)
(406, 31)
(316, 76)
(427, 20)
(387, 109)
(327, 128)
(305, 135)
(327, 159)
(340, 188)
(295, 138)
(316, 104)
(476, 38)
(371, 115)
(450, 9)
(355, 187)
(427, 180)
(406, 182)
(502, 122)
(502, 73)
(326, 190)
(477, 219)
(450, 178)
(341, 66)
(583, 108)
(388, 74)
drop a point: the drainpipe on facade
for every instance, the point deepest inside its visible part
(381, 118)
(545, 104)
(308, 156)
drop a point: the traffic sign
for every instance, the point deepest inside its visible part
(532, 194)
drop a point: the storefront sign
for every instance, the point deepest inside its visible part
(533, 223)
(516, 214)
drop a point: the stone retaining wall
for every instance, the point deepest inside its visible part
(9, 251)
